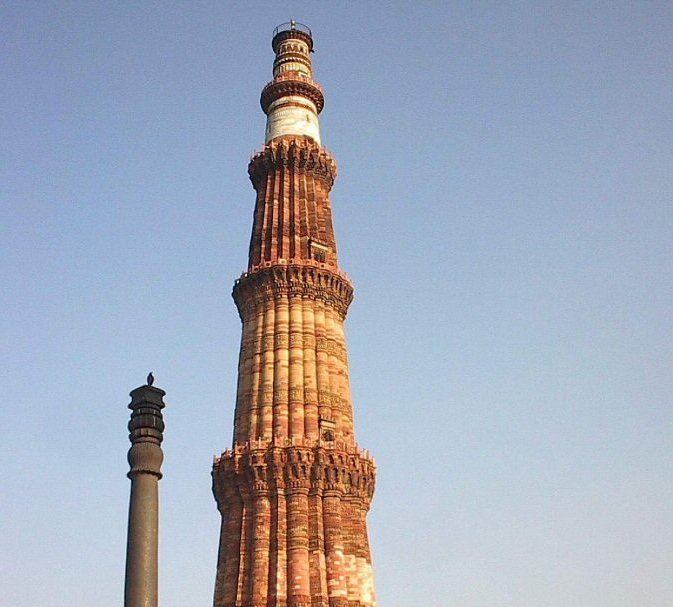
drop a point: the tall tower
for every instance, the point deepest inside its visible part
(294, 489)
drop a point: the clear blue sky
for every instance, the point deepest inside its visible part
(504, 209)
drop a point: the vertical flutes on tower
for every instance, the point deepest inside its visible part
(294, 490)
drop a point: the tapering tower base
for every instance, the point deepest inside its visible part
(294, 531)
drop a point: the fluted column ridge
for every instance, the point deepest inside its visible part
(293, 176)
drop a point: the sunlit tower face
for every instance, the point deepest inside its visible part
(294, 490)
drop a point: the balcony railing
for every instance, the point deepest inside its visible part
(292, 26)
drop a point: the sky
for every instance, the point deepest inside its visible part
(503, 207)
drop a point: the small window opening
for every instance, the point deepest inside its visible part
(327, 429)
(318, 251)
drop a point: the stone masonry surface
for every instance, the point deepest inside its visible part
(294, 490)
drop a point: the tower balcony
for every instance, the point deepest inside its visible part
(290, 84)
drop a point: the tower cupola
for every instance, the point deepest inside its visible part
(292, 100)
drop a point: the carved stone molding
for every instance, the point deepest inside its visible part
(317, 469)
(300, 153)
(295, 85)
(279, 281)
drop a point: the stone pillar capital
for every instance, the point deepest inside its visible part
(146, 428)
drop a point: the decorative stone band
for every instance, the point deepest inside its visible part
(306, 281)
(258, 466)
(292, 83)
(319, 344)
(300, 153)
(293, 58)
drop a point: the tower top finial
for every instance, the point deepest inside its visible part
(292, 29)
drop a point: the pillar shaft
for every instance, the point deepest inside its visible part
(145, 458)
(141, 588)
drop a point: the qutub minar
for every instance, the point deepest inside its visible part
(294, 489)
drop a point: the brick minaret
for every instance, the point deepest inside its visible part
(294, 489)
